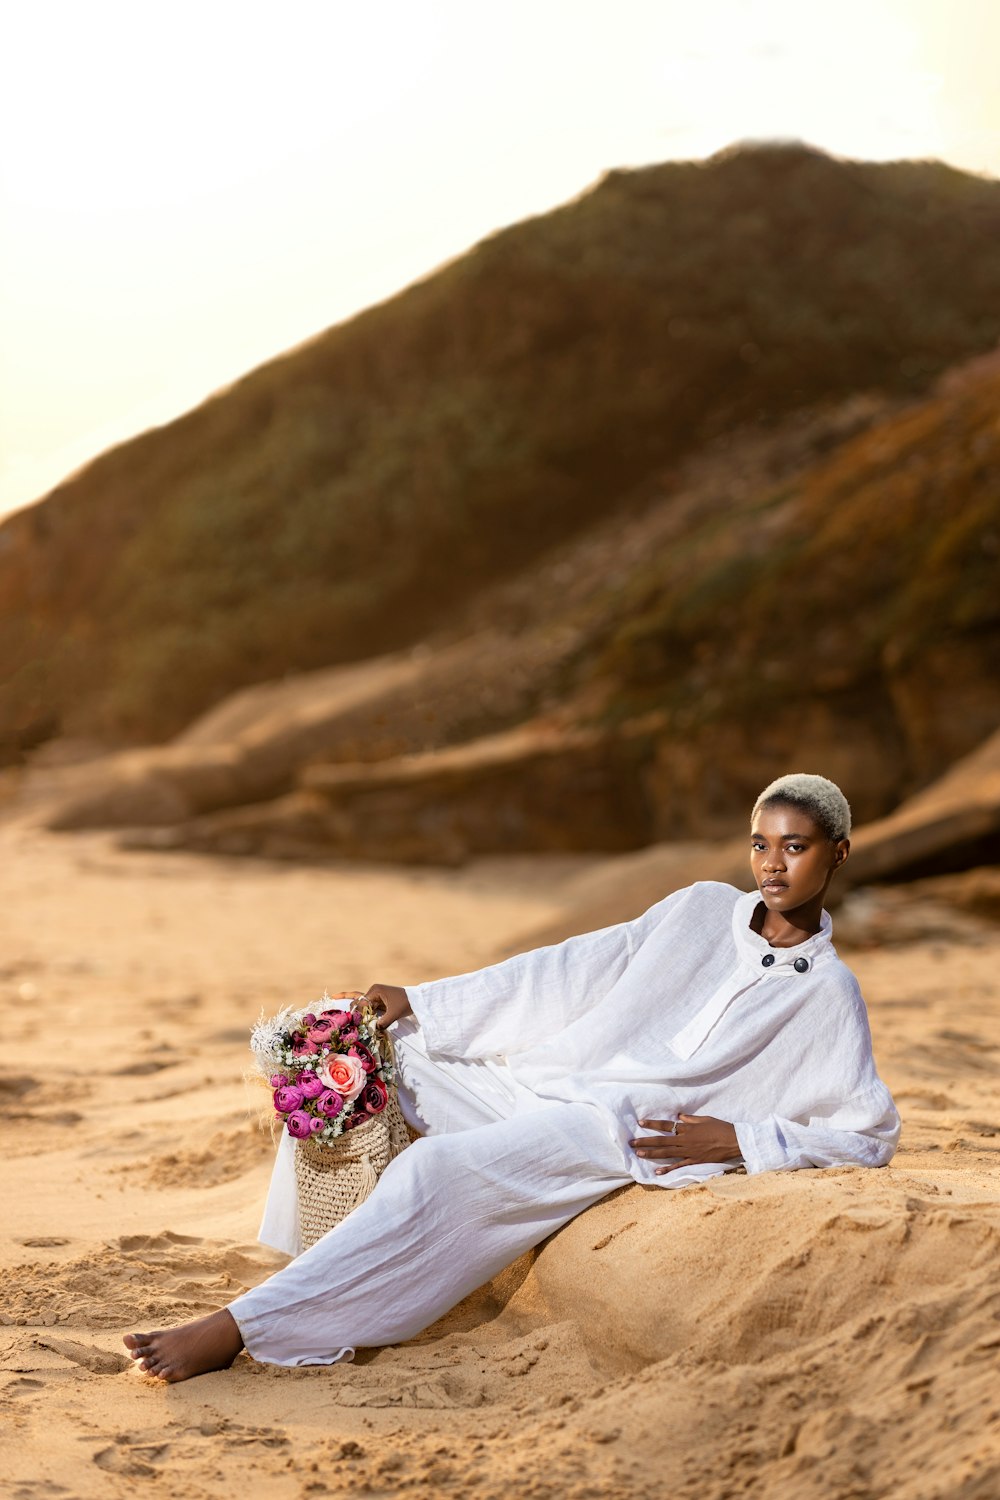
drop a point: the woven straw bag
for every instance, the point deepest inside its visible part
(333, 1180)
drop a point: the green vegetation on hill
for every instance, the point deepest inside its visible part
(853, 613)
(343, 499)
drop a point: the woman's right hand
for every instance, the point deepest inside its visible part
(389, 1001)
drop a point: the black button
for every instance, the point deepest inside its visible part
(767, 960)
(800, 965)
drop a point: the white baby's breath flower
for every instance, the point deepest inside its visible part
(267, 1038)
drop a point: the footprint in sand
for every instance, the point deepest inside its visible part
(166, 1278)
(165, 1240)
(924, 1099)
(97, 1361)
(144, 1068)
(227, 1155)
(427, 1395)
(13, 1088)
(136, 1461)
(42, 1489)
(188, 1256)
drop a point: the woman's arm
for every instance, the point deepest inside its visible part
(863, 1132)
(511, 1005)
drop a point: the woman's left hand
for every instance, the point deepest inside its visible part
(686, 1141)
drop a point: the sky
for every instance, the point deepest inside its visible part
(189, 188)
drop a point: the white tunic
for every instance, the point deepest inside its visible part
(527, 1080)
(684, 1010)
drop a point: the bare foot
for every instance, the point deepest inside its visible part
(210, 1343)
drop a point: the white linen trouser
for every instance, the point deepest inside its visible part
(498, 1170)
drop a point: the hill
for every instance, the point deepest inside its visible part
(345, 499)
(822, 595)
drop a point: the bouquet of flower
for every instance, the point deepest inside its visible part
(330, 1070)
(333, 1083)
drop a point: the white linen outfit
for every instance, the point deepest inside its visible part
(530, 1077)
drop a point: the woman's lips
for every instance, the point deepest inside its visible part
(774, 885)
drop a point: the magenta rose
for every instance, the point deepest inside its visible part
(322, 1030)
(310, 1086)
(361, 1052)
(336, 1018)
(299, 1124)
(287, 1098)
(278, 1080)
(375, 1096)
(330, 1103)
(315, 1125)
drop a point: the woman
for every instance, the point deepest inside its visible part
(718, 1030)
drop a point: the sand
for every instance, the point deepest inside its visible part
(825, 1334)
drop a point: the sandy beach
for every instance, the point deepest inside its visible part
(824, 1334)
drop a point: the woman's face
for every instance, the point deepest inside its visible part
(791, 857)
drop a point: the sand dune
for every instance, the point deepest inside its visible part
(812, 1334)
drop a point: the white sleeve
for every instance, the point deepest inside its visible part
(863, 1132)
(510, 1006)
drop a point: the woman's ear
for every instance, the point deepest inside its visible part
(841, 852)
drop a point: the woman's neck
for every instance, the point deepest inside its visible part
(786, 929)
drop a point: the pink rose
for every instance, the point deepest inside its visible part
(278, 1080)
(375, 1097)
(299, 1124)
(361, 1052)
(343, 1074)
(323, 1028)
(301, 1045)
(349, 1034)
(337, 1018)
(287, 1098)
(330, 1103)
(308, 1019)
(310, 1086)
(315, 1126)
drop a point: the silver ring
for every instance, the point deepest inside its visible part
(677, 1125)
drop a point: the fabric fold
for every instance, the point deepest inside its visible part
(690, 1037)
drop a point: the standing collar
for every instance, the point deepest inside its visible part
(752, 948)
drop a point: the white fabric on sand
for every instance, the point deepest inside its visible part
(530, 1077)
(453, 1210)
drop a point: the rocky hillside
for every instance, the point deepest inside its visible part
(849, 616)
(823, 595)
(346, 499)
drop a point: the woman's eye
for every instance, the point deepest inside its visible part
(795, 848)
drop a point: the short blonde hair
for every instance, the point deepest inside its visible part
(821, 799)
